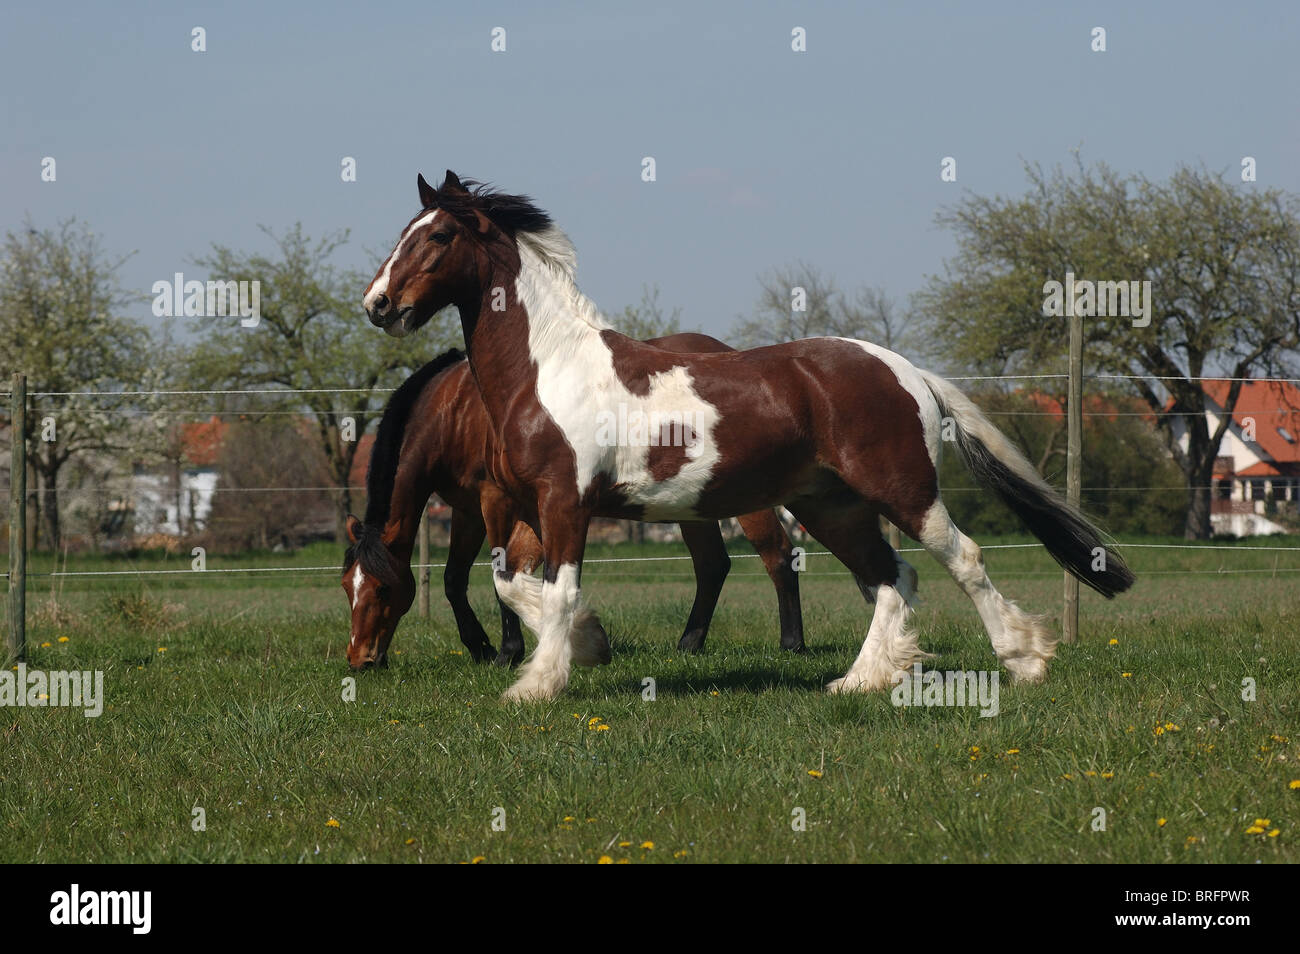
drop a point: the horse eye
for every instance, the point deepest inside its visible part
(442, 238)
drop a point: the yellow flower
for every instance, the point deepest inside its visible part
(1192, 839)
(477, 860)
(1161, 822)
(1275, 832)
(1262, 822)
(1126, 675)
(568, 818)
(625, 844)
(593, 720)
(1107, 774)
(1090, 774)
(1013, 751)
(714, 692)
(410, 841)
(814, 773)
(394, 721)
(605, 860)
(63, 639)
(1068, 777)
(591, 819)
(681, 854)
(162, 649)
(1254, 830)
(1295, 784)
(1113, 642)
(602, 728)
(46, 645)
(332, 823)
(648, 845)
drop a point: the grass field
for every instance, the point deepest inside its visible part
(225, 693)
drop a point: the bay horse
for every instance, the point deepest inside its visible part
(435, 437)
(840, 431)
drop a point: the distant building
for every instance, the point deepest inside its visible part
(1257, 472)
(175, 501)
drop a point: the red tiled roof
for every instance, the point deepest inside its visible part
(201, 441)
(1273, 405)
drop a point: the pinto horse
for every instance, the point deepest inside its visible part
(840, 431)
(435, 437)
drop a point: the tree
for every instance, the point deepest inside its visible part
(799, 301)
(312, 336)
(59, 298)
(267, 466)
(1223, 261)
(647, 320)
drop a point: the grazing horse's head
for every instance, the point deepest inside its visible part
(439, 258)
(380, 589)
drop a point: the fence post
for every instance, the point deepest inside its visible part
(17, 642)
(422, 578)
(1073, 464)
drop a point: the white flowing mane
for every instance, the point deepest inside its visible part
(549, 263)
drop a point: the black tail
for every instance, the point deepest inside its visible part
(1071, 539)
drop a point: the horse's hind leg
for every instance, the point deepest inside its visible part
(852, 534)
(1022, 642)
(764, 531)
(709, 556)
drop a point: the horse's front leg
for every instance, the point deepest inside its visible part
(567, 632)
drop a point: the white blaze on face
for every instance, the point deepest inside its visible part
(357, 580)
(578, 386)
(380, 286)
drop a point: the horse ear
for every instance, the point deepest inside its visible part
(428, 196)
(353, 527)
(452, 182)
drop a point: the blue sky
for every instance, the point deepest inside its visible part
(764, 156)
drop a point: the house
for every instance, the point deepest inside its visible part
(176, 500)
(1257, 471)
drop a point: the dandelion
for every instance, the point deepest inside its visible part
(46, 645)
(1254, 830)
(1013, 751)
(394, 721)
(63, 639)
(1161, 822)
(814, 773)
(477, 860)
(1090, 774)
(1126, 675)
(333, 823)
(1192, 839)
(648, 845)
(625, 844)
(602, 728)
(594, 720)
(1107, 774)
(1295, 784)
(410, 841)
(1113, 642)
(162, 649)
(681, 854)
(605, 860)
(714, 692)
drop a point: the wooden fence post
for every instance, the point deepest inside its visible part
(17, 642)
(422, 578)
(1073, 464)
